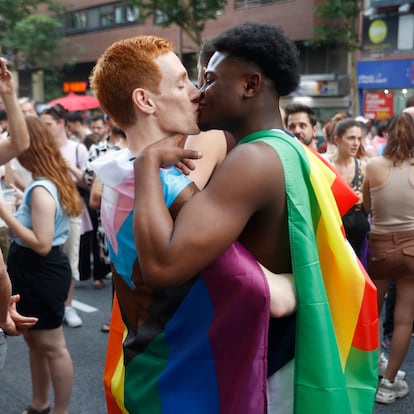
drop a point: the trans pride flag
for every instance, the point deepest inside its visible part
(336, 356)
(198, 348)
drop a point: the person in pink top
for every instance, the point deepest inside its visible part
(380, 139)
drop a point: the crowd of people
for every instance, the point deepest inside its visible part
(216, 190)
(376, 160)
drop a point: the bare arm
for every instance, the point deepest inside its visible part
(13, 179)
(5, 292)
(209, 222)
(78, 176)
(213, 146)
(282, 293)
(366, 197)
(95, 196)
(19, 135)
(376, 172)
(43, 206)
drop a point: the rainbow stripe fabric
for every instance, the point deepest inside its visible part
(198, 348)
(206, 355)
(336, 356)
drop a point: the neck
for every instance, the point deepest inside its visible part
(61, 139)
(343, 159)
(139, 137)
(271, 120)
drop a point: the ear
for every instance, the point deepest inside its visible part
(337, 140)
(315, 131)
(252, 84)
(142, 100)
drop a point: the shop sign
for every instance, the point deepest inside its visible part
(77, 87)
(318, 88)
(378, 105)
(386, 74)
(388, 3)
(387, 35)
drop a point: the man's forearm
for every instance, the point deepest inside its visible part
(153, 226)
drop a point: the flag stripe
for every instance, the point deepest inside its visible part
(337, 324)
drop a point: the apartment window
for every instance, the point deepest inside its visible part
(93, 19)
(159, 17)
(76, 21)
(132, 13)
(100, 18)
(106, 16)
(245, 4)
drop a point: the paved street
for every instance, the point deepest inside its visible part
(87, 346)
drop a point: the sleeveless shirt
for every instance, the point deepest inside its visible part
(392, 203)
(24, 212)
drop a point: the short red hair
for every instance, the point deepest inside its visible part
(126, 65)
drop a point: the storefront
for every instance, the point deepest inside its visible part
(327, 94)
(386, 68)
(384, 86)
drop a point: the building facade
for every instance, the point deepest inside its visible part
(91, 26)
(386, 64)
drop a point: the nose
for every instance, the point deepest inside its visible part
(194, 93)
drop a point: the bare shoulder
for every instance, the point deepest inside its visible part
(213, 140)
(376, 163)
(257, 156)
(42, 199)
(252, 167)
(363, 163)
(377, 171)
(212, 144)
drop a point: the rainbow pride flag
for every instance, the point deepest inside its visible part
(336, 356)
(207, 353)
(198, 348)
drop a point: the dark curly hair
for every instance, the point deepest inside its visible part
(266, 46)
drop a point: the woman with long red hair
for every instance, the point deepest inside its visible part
(39, 269)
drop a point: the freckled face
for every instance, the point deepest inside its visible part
(177, 103)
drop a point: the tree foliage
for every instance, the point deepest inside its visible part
(37, 38)
(190, 15)
(24, 32)
(338, 23)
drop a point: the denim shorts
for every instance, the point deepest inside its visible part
(391, 255)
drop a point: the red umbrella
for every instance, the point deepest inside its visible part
(74, 102)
